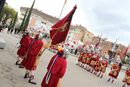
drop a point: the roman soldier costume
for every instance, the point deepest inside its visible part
(98, 65)
(104, 64)
(126, 79)
(32, 57)
(114, 71)
(55, 70)
(24, 44)
(80, 58)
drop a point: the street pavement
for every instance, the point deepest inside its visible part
(75, 76)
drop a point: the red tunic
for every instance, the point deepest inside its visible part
(92, 60)
(57, 72)
(31, 39)
(98, 64)
(81, 56)
(105, 64)
(98, 57)
(25, 42)
(127, 74)
(29, 62)
(114, 73)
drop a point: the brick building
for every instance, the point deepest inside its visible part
(76, 32)
(107, 46)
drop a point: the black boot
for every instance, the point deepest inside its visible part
(20, 66)
(26, 75)
(17, 63)
(31, 80)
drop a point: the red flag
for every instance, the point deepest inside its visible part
(98, 41)
(60, 30)
(127, 49)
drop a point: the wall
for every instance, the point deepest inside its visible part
(32, 22)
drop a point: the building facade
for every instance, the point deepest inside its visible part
(76, 32)
(107, 46)
(39, 18)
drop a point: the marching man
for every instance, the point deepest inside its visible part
(24, 44)
(86, 65)
(80, 58)
(98, 65)
(103, 66)
(88, 62)
(32, 57)
(84, 59)
(114, 71)
(89, 59)
(92, 64)
(96, 60)
(55, 70)
(126, 79)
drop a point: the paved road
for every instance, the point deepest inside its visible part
(12, 76)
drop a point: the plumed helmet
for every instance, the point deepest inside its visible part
(66, 53)
(106, 57)
(118, 56)
(94, 56)
(117, 61)
(100, 59)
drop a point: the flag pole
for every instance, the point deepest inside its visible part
(62, 9)
(57, 29)
(115, 34)
(112, 52)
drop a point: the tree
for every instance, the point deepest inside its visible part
(28, 17)
(22, 24)
(15, 19)
(82, 37)
(11, 22)
(7, 13)
(2, 2)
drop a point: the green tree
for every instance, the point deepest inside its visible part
(28, 17)
(82, 37)
(15, 19)
(7, 13)
(11, 22)
(22, 24)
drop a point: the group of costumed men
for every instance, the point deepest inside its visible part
(92, 62)
(29, 53)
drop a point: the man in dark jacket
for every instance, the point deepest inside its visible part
(0, 27)
(15, 30)
(9, 28)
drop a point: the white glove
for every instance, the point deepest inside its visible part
(94, 63)
(88, 59)
(102, 66)
(112, 69)
(126, 77)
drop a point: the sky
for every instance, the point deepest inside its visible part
(111, 18)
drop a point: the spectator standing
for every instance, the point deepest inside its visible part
(0, 27)
(9, 28)
(15, 30)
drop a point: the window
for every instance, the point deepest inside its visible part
(22, 14)
(43, 22)
(87, 34)
(21, 19)
(86, 39)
